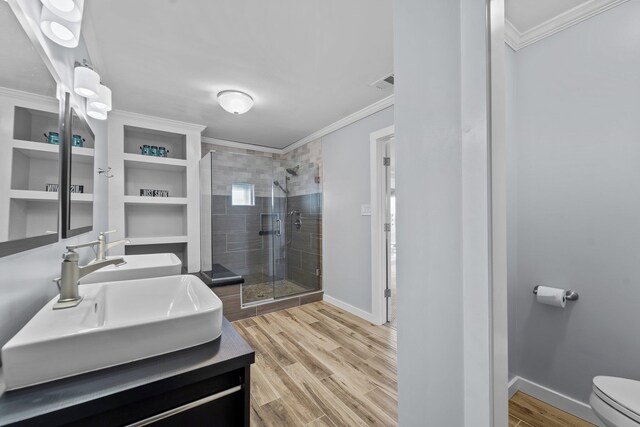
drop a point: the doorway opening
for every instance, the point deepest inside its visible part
(383, 227)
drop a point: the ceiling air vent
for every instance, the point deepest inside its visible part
(384, 83)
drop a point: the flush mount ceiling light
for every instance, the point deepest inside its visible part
(60, 21)
(234, 101)
(86, 82)
(103, 101)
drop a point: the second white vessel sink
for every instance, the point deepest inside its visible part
(116, 323)
(137, 267)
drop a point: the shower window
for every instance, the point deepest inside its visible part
(243, 195)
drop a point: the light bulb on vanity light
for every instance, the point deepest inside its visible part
(60, 21)
(103, 101)
(234, 101)
(96, 113)
(86, 82)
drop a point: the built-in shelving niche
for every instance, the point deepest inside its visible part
(33, 125)
(33, 211)
(156, 175)
(31, 217)
(135, 137)
(154, 223)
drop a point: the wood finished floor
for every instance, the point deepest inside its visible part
(526, 411)
(317, 365)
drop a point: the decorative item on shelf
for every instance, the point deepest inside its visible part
(106, 172)
(155, 151)
(60, 21)
(51, 188)
(147, 192)
(77, 141)
(77, 189)
(53, 138)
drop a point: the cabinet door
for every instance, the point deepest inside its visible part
(226, 411)
(219, 401)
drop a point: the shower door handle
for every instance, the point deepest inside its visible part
(278, 230)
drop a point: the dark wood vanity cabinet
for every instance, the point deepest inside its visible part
(208, 385)
(222, 400)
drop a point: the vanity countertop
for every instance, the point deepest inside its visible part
(68, 400)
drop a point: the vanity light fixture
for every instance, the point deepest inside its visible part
(60, 21)
(96, 113)
(86, 82)
(103, 101)
(234, 101)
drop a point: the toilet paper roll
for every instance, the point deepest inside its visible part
(551, 296)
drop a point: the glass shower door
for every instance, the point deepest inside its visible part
(243, 224)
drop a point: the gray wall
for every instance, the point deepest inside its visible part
(428, 130)
(347, 234)
(577, 201)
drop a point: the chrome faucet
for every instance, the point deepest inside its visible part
(72, 273)
(103, 246)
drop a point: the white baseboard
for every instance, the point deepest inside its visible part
(349, 308)
(559, 400)
(513, 386)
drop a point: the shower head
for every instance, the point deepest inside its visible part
(293, 171)
(277, 184)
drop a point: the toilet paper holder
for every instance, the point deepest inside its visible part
(569, 295)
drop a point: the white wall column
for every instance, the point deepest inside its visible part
(445, 340)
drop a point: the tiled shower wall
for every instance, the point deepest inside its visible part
(235, 230)
(304, 249)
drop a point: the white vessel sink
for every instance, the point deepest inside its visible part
(137, 267)
(116, 323)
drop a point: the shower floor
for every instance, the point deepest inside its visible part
(266, 291)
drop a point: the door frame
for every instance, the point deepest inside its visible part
(378, 243)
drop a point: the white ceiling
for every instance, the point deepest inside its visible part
(306, 63)
(22, 68)
(526, 14)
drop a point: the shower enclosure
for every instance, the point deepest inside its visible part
(261, 225)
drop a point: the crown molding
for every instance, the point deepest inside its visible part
(157, 121)
(352, 118)
(518, 40)
(28, 96)
(244, 146)
(511, 35)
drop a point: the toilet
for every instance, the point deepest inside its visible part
(616, 401)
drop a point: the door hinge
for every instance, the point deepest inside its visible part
(386, 161)
(387, 293)
(387, 227)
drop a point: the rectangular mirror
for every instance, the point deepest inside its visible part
(77, 173)
(29, 142)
